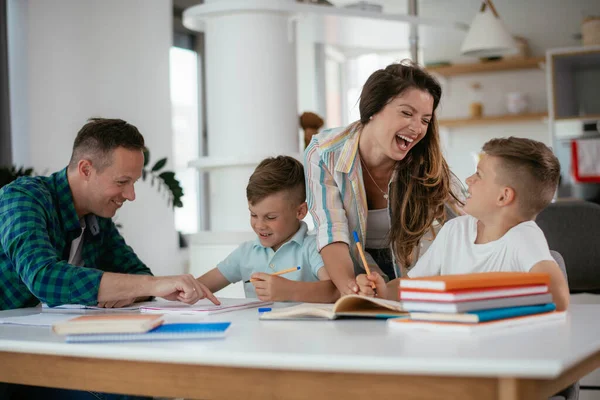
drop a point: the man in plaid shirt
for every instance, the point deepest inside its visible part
(58, 244)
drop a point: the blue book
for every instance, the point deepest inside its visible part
(178, 331)
(474, 317)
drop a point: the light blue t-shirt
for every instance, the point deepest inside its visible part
(253, 257)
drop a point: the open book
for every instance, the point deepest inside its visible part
(348, 306)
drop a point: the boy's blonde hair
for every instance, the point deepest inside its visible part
(276, 174)
(530, 168)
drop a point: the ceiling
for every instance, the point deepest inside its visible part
(544, 23)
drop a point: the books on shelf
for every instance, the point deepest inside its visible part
(474, 317)
(464, 306)
(176, 331)
(108, 323)
(347, 306)
(529, 321)
(471, 294)
(202, 307)
(473, 281)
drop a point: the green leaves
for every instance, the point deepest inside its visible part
(159, 164)
(166, 179)
(9, 174)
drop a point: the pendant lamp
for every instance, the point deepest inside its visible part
(487, 36)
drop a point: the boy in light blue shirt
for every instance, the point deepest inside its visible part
(276, 195)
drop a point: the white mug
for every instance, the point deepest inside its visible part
(517, 102)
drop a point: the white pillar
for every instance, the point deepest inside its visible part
(106, 58)
(251, 102)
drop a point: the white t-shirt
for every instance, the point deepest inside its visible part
(454, 250)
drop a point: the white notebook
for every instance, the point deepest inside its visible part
(202, 307)
(525, 322)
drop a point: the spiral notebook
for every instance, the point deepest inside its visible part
(175, 331)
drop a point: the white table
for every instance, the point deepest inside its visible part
(348, 359)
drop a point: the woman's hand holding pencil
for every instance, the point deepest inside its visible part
(364, 260)
(368, 285)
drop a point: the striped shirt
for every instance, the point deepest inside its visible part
(38, 222)
(335, 189)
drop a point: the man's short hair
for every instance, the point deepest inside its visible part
(530, 168)
(274, 175)
(100, 136)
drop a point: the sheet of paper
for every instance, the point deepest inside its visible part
(203, 306)
(42, 319)
(65, 307)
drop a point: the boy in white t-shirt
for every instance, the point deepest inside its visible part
(515, 179)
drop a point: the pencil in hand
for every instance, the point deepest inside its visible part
(363, 258)
(285, 271)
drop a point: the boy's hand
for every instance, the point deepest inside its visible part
(365, 285)
(272, 287)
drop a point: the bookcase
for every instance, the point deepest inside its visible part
(573, 82)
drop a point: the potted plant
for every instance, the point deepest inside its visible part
(9, 174)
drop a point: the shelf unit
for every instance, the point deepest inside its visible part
(492, 120)
(590, 117)
(574, 108)
(489, 66)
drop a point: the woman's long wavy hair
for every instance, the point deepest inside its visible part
(422, 180)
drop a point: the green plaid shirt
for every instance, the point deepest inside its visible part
(38, 222)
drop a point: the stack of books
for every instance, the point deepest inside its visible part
(476, 302)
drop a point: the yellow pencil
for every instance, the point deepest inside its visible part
(363, 258)
(285, 271)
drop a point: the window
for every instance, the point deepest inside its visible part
(185, 111)
(358, 71)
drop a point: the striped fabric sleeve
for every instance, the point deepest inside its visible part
(324, 200)
(121, 256)
(25, 240)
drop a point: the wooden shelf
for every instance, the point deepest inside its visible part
(590, 117)
(492, 120)
(488, 66)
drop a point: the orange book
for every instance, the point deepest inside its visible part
(108, 323)
(444, 283)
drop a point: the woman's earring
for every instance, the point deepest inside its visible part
(370, 118)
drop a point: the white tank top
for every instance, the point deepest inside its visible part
(378, 227)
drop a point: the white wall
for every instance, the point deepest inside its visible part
(461, 142)
(18, 82)
(306, 67)
(105, 58)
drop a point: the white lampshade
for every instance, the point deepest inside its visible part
(488, 37)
